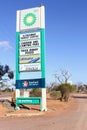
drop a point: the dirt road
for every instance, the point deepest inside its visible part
(76, 119)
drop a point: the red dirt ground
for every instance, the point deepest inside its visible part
(53, 107)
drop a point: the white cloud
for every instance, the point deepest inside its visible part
(5, 45)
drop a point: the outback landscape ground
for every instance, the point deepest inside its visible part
(59, 116)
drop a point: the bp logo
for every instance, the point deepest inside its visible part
(29, 19)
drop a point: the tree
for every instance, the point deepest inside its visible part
(5, 73)
(65, 90)
(64, 86)
(63, 77)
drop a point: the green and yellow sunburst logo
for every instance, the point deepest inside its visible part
(29, 19)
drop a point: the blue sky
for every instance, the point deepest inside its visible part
(66, 35)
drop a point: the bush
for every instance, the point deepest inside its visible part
(6, 90)
(65, 90)
(49, 89)
(35, 92)
(55, 88)
(55, 94)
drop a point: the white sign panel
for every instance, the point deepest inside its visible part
(30, 67)
(26, 51)
(30, 19)
(31, 43)
(30, 36)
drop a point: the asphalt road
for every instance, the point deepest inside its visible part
(76, 119)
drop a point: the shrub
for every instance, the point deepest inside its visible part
(65, 90)
(73, 88)
(49, 89)
(6, 90)
(35, 92)
(55, 88)
(55, 94)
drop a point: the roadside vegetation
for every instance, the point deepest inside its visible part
(59, 90)
(62, 91)
(6, 74)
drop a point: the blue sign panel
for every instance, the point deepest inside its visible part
(31, 83)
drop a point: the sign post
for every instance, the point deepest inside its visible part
(30, 50)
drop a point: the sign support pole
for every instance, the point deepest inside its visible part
(44, 107)
(17, 52)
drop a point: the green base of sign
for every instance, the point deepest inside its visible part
(29, 100)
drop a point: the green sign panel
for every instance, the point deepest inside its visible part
(29, 100)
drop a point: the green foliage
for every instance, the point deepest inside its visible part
(73, 88)
(65, 90)
(5, 75)
(6, 70)
(55, 88)
(11, 75)
(49, 89)
(66, 87)
(35, 92)
(55, 94)
(6, 90)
